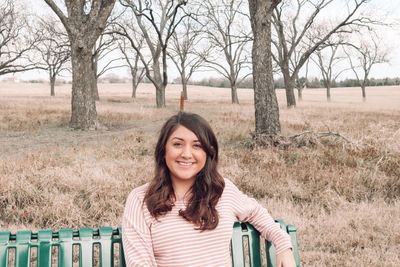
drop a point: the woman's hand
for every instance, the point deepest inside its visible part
(285, 259)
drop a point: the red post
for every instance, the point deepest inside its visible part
(182, 102)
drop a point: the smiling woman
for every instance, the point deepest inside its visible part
(185, 158)
(188, 193)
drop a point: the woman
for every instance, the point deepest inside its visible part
(184, 216)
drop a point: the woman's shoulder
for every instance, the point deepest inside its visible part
(230, 187)
(230, 195)
(138, 193)
(229, 183)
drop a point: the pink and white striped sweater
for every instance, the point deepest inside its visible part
(171, 241)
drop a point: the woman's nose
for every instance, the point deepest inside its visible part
(186, 152)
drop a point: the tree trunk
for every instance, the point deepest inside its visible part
(290, 98)
(328, 93)
(83, 104)
(300, 93)
(232, 80)
(134, 79)
(134, 87)
(364, 95)
(184, 89)
(52, 85)
(265, 102)
(184, 81)
(160, 96)
(290, 84)
(235, 99)
(160, 86)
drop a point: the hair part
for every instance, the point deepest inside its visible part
(208, 186)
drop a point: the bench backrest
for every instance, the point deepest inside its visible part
(103, 247)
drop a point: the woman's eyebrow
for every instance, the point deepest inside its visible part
(181, 139)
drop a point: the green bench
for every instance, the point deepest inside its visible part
(103, 247)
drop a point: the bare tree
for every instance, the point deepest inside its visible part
(84, 22)
(157, 21)
(54, 50)
(185, 52)
(229, 36)
(297, 36)
(16, 40)
(265, 102)
(368, 54)
(327, 60)
(132, 58)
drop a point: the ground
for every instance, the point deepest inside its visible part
(342, 195)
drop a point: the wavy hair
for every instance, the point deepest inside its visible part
(208, 186)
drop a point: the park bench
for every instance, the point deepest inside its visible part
(103, 247)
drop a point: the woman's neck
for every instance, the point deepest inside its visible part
(182, 190)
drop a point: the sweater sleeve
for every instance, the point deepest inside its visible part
(249, 210)
(136, 237)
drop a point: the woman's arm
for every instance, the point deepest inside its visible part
(136, 238)
(249, 210)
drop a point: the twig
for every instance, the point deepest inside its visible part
(324, 134)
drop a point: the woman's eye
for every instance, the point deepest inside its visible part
(197, 146)
(176, 144)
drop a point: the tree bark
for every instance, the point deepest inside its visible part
(160, 96)
(290, 84)
(52, 85)
(364, 95)
(184, 81)
(265, 102)
(134, 84)
(289, 88)
(184, 88)
(84, 115)
(159, 84)
(235, 99)
(328, 93)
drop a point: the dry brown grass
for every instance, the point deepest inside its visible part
(343, 197)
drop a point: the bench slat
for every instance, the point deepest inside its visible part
(4, 240)
(86, 246)
(22, 249)
(65, 255)
(44, 251)
(106, 247)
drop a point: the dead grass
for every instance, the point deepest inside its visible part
(342, 196)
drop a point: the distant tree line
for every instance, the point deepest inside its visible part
(310, 83)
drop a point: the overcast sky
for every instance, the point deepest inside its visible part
(390, 9)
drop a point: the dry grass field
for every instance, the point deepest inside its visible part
(343, 196)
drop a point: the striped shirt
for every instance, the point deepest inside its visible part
(171, 241)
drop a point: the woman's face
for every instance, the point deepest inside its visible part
(184, 155)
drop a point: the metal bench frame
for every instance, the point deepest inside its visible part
(105, 238)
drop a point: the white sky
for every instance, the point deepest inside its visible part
(390, 38)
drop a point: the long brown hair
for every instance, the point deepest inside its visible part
(208, 186)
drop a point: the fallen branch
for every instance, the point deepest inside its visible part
(307, 138)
